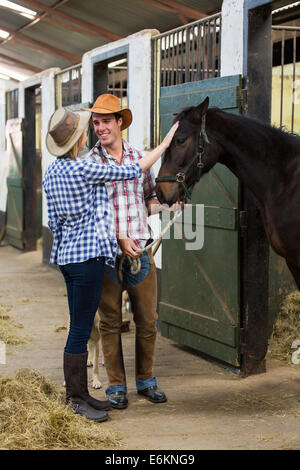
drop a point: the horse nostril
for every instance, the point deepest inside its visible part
(160, 195)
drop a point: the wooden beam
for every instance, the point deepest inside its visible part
(44, 16)
(184, 10)
(70, 26)
(37, 45)
(10, 60)
(158, 4)
(178, 9)
(43, 47)
(54, 12)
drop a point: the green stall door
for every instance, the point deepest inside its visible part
(200, 298)
(14, 215)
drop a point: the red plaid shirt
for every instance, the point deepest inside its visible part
(129, 197)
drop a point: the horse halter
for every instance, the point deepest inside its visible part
(180, 177)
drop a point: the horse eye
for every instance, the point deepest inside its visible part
(180, 141)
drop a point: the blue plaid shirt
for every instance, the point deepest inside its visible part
(79, 212)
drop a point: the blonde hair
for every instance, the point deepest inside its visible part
(75, 149)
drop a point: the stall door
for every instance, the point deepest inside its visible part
(200, 299)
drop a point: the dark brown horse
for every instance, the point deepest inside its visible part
(265, 159)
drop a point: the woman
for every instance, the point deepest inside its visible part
(84, 240)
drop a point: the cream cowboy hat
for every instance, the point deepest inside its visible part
(111, 104)
(64, 130)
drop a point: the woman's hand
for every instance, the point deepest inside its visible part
(168, 138)
(153, 156)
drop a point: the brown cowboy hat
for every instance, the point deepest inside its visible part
(64, 130)
(108, 104)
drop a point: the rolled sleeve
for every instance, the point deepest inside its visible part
(149, 185)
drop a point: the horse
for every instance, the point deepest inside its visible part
(264, 158)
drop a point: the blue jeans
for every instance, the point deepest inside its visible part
(84, 286)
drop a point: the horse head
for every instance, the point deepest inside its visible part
(188, 156)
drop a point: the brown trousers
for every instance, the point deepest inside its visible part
(143, 298)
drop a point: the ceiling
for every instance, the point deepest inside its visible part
(56, 33)
(62, 31)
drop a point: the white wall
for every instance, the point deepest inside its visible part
(46, 80)
(5, 85)
(138, 49)
(232, 40)
(139, 80)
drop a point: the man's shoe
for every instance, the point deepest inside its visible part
(153, 394)
(118, 400)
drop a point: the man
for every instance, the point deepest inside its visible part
(132, 201)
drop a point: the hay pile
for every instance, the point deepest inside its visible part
(8, 329)
(286, 328)
(33, 416)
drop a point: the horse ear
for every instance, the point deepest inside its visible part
(199, 111)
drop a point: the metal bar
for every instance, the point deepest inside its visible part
(287, 28)
(68, 86)
(177, 57)
(198, 60)
(168, 69)
(203, 52)
(217, 15)
(213, 69)
(163, 49)
(193, 61)
(79, 66)
(181, 50)
(187, 56)
(208, 49)
(173, 59)
(220, 46)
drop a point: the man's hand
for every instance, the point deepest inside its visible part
(154, 207)
(128, 247)
(177, 206)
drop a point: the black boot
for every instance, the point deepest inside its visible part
(75, 371)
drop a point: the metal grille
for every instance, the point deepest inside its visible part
(117, 78)
(68, 86)
(11, 104)
(117, 82)
(189, 53)
(186, 54)
(286, 78)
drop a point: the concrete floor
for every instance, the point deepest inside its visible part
(208, 406)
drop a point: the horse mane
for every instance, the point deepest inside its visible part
(266, 129)
(269, 129)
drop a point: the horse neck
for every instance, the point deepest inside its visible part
(246, 149)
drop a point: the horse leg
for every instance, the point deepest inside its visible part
(295, 270)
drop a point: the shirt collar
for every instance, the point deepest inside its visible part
(105, 154)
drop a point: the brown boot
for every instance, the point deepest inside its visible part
(75, 372)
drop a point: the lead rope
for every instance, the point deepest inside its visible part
(135, 263)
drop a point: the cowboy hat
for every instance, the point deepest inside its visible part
(64, 129)
(111, 104)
